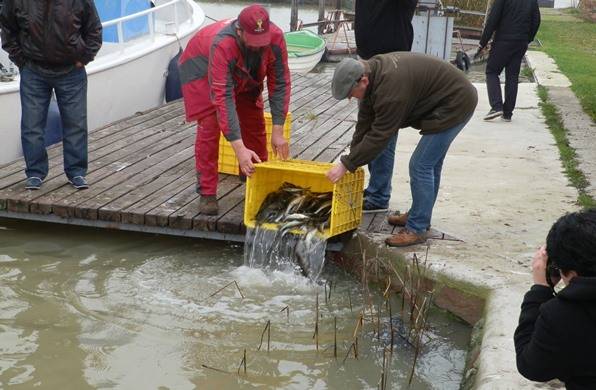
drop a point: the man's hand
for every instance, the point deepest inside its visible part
(336, 173)
(79, 64)
(245, 157)
(279, 145)
(478, 52)
(539, 268)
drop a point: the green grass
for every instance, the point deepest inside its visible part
(571, 42)
(568, 155)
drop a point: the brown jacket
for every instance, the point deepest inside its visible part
(408, 89)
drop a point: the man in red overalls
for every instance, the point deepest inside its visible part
(222, 72)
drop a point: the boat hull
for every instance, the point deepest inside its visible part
(304, 64)
(121, 82)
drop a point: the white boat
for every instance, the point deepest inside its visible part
(305, 50)
(128, 75)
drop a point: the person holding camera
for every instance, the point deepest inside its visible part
(555, 337)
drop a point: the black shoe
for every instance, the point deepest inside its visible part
(506, 118)
(79, 182)
(492, 114)
(33, 183)
(368, 207)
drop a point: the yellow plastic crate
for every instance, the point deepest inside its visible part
(346, 210)
(228, 163)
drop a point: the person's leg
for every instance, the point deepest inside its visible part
(425, 176)
(497, 60)
(71, 95)
(35, 94)
(252, 124)
(206, 154)
(512, 68)
(197, 170)
(378, 191)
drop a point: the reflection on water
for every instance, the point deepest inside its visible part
(83, 308)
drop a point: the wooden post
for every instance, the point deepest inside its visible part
(337, 14)
(294, 16)
(321, 16)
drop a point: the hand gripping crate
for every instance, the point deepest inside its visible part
(346, 211)
(228, 163)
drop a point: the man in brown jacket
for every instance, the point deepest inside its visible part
(399, 90)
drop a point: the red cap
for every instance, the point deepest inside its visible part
(254, 21)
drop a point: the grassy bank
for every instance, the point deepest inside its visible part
(568, 155)
(571, 42)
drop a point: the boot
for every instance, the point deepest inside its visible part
(398, 219)
(208, 205)
(405, 238)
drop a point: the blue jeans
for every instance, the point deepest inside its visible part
(378, 191)
(426, 164)
(71, 95)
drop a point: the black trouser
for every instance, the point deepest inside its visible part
(508, 55)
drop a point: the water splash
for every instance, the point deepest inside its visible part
(274, 250)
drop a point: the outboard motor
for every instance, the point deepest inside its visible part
(173, 86)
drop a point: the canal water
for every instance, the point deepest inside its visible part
(87, 309)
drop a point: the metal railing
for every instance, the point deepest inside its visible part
(174, 6)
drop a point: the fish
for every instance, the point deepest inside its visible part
(300, 254)
(297, 211)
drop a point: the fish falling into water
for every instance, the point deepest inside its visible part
(296, 209)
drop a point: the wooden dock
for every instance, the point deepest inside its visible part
(142, 176)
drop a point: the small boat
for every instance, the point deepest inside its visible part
(305, 50)
(128, 74)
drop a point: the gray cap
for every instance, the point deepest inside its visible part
(346, 76)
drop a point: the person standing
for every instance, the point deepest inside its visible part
(514, 24)
(382, 26)
(51, 42)
(399, 90)
(222, 72)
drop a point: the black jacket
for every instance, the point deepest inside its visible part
(50, 32)
(556, 336)
(513, 20)
(383, 26)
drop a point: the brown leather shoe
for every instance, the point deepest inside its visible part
(208, 205)
(398, 219)
(405, 238)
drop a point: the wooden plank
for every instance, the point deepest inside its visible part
(367, 219)
(126, 180)
(186, 217)
(55, 151)
(233, 220)
(159, 215)
(316, 146)
(55, 189)
(63, 202)
(135, 214)
(102, 147)
(335, 149)
(144, 184)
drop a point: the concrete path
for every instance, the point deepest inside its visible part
(502, 188)
(581, 128)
